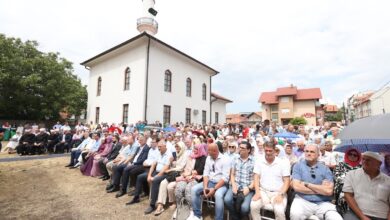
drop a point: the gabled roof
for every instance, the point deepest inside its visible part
(144, 34)
(215, 95)
(292, 90)
(268, 98)
(330, 108)
(235, 118)
(254, 113)
(307, 94)
(298, 94)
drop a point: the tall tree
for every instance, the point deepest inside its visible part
(36, 85)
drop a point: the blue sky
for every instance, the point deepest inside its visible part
(343, 47)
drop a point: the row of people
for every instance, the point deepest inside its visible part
(243, 184)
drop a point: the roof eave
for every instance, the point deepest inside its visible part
(85, 63)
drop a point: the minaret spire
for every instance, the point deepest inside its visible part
(147, 22)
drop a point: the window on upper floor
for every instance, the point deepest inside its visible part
(188, 87)
(274, 108)
(285, 99)
(99, 86)
(127, 79)
(168, 81)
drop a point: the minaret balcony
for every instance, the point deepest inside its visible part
(148, 25)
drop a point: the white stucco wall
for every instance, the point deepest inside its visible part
(220, 107)
(380, 101)
(162, 59)
(111, 68)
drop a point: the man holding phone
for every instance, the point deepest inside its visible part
(215, 180)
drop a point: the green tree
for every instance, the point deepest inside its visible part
(36, 85)
(335, 117)
(298, 121)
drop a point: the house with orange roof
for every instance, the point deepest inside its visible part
(287, 103)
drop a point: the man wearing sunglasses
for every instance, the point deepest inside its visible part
(313, 184)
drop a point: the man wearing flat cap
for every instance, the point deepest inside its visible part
(367, 190)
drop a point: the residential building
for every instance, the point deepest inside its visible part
(244, 118)
(287, 103)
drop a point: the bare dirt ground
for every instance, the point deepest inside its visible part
(45, 189)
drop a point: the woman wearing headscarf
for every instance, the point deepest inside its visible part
(167, 186)
(386, 165)
(91, 166)
(351, 161)
(192, 174)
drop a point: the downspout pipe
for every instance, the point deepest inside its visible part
(147, 79)
(210, 100)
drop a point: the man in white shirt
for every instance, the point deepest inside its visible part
(327, 157)
(367, 190)
(215, 180)
(271, 180)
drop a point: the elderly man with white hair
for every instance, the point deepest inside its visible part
(367, 190)
(124, 154)
(313, 184)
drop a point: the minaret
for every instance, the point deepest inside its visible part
(147, 23)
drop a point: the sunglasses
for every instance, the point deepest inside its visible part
(232, 146)
(312, 173)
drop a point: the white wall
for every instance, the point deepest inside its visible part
(380, 100)
(220, 107)
(161, 59)
(111, 68)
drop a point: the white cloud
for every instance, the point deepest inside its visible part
(340, 46)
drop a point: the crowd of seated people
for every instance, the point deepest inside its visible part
(33, 139)
(243, 170)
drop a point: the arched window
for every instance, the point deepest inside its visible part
(168, 81)
(127, 79)
(204, 91)
(99, 86)
(188, 87)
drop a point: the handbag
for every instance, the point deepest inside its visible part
(171, 176)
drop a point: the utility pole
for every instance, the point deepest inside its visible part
(344, 115)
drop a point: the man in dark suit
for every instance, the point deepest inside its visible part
(64, 142)
(125, 169)
(26, 143)
(111, 156)
(52, 140)
(41, 141)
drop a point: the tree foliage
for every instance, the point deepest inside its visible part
(335, 117)
(36, 85)
(298, 121)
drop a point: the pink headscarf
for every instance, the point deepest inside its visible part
(201, 151)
